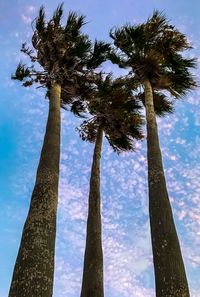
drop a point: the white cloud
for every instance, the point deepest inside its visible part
(28, 14)
(26, 19)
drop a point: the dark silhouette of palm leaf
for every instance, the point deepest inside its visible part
(58, 15)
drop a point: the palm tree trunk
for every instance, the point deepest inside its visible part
(92, 283)
(169, 268)
(34, 267)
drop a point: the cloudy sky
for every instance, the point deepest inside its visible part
(126, 239)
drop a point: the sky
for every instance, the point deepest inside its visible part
(128, 269)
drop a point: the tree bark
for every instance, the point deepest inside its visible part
(92, 283)
(170, 276)
(34, 267)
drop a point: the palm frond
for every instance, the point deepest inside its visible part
(99, 54)
(158, 19)
(162, 105)
(82, 47)
(121, 40)
(21, 72)
(121, 144)
(74, 24)
(78, 108)
(132, 105)
(178, 72)
(40, 21)
(136, 38)
(28, 51)
(81, 21)
(177, 62)
(116, 58)
(58, 14)
(181, 83)
(88, 129)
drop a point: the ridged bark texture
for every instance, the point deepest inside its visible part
(34, 267)
(92, 283)
(169, 268)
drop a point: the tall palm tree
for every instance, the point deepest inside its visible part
(59, 57)
(154, 52)
(114, 112)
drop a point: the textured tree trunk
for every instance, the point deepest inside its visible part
(34, 267)
(92, 283)
(169, 268)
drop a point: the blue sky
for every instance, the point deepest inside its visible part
(126, 239)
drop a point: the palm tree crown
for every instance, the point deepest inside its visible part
(114, 108)
(153, 50)
(62, 53)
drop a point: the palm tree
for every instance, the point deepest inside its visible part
(59, 57)
(114, 111)
(154, 52)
